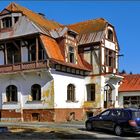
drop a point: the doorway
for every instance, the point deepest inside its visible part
(107, 96)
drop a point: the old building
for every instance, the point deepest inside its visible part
(52, 72)
(129, 91)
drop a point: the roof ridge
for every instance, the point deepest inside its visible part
(87, 21)
(131, 74)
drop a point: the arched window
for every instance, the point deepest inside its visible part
(11, 93)
(36, 92)
(110, 35)
(71, 92)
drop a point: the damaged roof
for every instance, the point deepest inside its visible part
(38, 19)
(89, 31)
(130, 83)
(89, 26)
(86, 32)
(57, 55)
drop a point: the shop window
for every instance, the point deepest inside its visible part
(90, 92)
(11, 93)
(71, 92)
(36, 92)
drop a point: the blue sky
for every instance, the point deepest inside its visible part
(125, 16)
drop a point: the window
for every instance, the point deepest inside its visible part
(110, 58)
(91, 92)
(7, 22)
(32, 53)
(36, 92)
(104, 114)
(71, 57)
(110, 35)
(16, 19)
(13, 53)
(41, 53)
(11, 93)
(71, 92)
(131, 101)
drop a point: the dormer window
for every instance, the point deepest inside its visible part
(7, 22)
(71, 56)
(110, 35)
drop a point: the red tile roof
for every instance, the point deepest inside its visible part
(130, 83)
(54, 51)
(89, 26)
(56, 54)
(36, 18)
(52, 48)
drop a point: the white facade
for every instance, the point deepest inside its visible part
(23, 82)
(61, 81)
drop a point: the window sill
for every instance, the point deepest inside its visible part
(68, 101)
(13, 103)
(34, 102)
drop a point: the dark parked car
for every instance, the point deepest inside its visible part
(118, 120)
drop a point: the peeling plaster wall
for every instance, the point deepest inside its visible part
(110, 45)
(96, 65)
(98, 97)
(100, 82)
(23, 82)
(61, 81)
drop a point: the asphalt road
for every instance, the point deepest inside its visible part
(46, 130)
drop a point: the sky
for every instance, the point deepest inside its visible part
(123, 15)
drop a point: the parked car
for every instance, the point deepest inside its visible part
(118, 120)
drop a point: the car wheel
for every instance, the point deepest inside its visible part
(89, 126)
(118, 130)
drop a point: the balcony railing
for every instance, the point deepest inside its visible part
(23, 66)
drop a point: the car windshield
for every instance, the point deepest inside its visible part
(136, 114)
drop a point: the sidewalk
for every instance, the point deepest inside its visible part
(73, 124)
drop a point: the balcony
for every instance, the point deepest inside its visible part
(24, 66)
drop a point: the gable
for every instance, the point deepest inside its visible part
(34, 17)
(5, 11)
(23, 27)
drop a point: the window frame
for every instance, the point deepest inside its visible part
(92, 89)
(6, 22)
(11, 93)
(110, 58)
(71, 93)
(36, 92)
(71, 54)
(110, 35)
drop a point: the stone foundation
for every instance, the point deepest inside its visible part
(43, 115)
